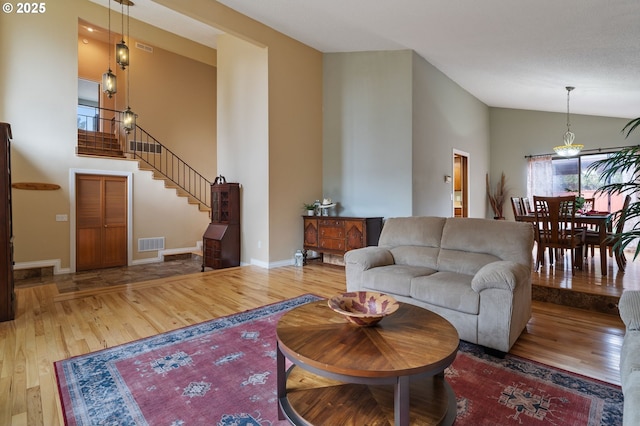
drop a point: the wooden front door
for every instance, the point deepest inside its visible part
(101, 221)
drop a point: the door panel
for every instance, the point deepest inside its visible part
(115, 221)
(115, 247)
(88, 202)
(101, 211)
(88, 249)
(115, 202)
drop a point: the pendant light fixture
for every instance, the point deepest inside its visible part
(109, 83)
(569, 149)
(122, 51)
(128, 116)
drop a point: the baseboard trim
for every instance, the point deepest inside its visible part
(56, 263)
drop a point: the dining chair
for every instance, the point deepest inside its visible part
(589, 204)
(526, 205)
(557, 230)
(592, 237)
(517, 207)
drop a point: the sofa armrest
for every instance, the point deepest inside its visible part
(629, 307)
(502, 274)
(368, 257)
(357, 261)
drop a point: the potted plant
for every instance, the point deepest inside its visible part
(580, 200)
(626, 161)
(498, 196)
(310, 208)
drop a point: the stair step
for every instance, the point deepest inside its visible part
(100, 152)
(98, 143)
(169, 184)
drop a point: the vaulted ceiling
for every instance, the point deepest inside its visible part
(508, 53)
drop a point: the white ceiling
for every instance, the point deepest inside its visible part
(508, 53)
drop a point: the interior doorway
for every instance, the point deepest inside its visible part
(460, 196)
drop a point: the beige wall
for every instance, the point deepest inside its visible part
(38, 82)
(175, 99)
(39, 50)
(295, 122)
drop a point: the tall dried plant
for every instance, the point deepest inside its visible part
(497, 197)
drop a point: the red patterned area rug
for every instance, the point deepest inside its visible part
(222, 372)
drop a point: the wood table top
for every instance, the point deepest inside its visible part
(411, 341)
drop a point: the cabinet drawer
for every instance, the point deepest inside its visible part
(331, 222)
(331, 244)
(331, 232)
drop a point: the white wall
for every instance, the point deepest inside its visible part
(518, 133)
(367, 132)
(392, 121)
(446, 117)
(243, 138)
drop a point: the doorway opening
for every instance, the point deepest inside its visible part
(460, 196)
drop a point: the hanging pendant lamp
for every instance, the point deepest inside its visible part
(128, 116)
(122, 51)
(109, 82)
(569, 149)
(128, 120)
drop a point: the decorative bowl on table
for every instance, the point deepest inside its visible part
(364, 308)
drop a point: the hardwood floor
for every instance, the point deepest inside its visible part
(51, 326)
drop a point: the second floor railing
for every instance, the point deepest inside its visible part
(100, 131)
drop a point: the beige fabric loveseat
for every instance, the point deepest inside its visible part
(476, 273)
(629, 307)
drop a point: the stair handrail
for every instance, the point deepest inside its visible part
(149, 150)
(170, 165)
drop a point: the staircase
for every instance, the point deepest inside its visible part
(98, 143)
(170, 184)
(150, 154)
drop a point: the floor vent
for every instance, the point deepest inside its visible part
(145, 147)
(151, 244)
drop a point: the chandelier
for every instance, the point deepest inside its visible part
(122, 51)
(109, 83)
(128, 116)
(568, 149)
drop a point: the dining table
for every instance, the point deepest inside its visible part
(599, 220)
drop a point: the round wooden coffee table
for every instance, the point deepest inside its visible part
(392, 373)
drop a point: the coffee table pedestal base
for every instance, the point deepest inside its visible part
(314, 400)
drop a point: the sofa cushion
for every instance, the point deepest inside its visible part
(416, 256)
(448, 290)
(412, 231)
(463, 262)
(503, 239)
(393, 279)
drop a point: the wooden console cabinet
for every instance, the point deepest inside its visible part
(221, 240)
(337, 235)
(7, 293)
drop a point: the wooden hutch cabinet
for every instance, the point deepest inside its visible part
(338, 235)
(221, 240)
(7, 293)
